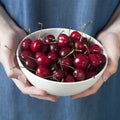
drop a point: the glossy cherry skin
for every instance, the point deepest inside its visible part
(53, 56)
(69, 78)
(66, 63)
(78, 45)
(97, 59)
(49, 38)
(95, 48)
(79, 74)
(58, 75)
(26, 44)
(80, 61)
(30, 64)
(26, 54)
(63, 40)
(64, 51)
(38, 54)
(54, 47)
(75, 35)
(36, 45)
(42, 71)
(43, 60)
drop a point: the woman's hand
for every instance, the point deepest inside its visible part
(8, 59)
(111, 43)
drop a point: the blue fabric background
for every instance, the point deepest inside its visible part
(104, 105)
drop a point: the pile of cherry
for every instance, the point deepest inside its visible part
(67, 58)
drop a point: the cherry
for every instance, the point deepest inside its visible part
(58, 75)
(54, 47)
(36, 45)
(45, 48)
(78, 45)
(49, 38)
(38, 54)
(64, 51)
(90, 74)
(43, 60)
(97, 59)
(42, 71)
(95, 48)
(70, 78)
(79, 74)
(63, 40)
(80, 61)
(75, 35)
(52, 55)
(30, 64)
(101, 59)
(66, 63)
(25, 54)
(93, 60)
(26, 44)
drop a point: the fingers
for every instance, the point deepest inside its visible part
(27, 89)
(91, 90)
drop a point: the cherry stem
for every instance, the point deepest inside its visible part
(48, 77)
(8, 48)
(69, 53)
(41, 25)
(69, 66)
(29, 31)
(84, 26)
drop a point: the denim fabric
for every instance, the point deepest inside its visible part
(104, 105)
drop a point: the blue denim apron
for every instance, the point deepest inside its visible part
(104, 105)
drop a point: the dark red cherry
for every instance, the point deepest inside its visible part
(97, 59)
(30, 64)
(95, 48)
(101, 59)
(26, 54)
(52, 55)
(38, 54)
(70, 78)
(93, 59)
(58, 75)
(43, 60)
(26, 44)
(49, 38)
(66, 63)
(75, 35)
(78, 45)
(90, 74)
(45, 48)
(79, 74)
(36, 45)
(80, 61)
(64, 51)
(42, 71)
(54, 47)
(63, 40)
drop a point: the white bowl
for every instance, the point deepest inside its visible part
(53, 87)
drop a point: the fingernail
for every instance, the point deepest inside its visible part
(22, 78)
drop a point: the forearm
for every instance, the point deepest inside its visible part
(7, 25)
(114, 23)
